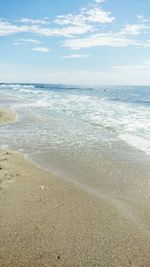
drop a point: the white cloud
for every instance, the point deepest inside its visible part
(71, 26)
(74, 30)
(7, 28)
(26, 40)
(92, 15)
(97, 15)
(69, 19)
(23, 41)
(99, 1)
(68, 25)
(65, 31)
(42, 21)
(16, 43)
(135, 29)
(142, 19)
(41, 49)
(32, 41)
(72, 56)
(125, 37)
(107, 39)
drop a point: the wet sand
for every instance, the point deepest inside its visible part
(6, 116)
(45, 221)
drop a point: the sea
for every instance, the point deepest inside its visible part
(95, 137)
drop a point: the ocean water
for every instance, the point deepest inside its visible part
(99, 138)
(112, 113)
(96, 138)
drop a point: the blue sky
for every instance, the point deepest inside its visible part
(85, 42)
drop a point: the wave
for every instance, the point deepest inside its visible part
(26, 90)
(122, 120)
(16, 85)
(136, 141)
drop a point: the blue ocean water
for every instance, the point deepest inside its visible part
(107, 113)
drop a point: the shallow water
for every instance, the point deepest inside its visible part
(97, 138)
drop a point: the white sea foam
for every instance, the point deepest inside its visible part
(121, 119)
(40, 103)
(136, 141)
(26, 91)
(20, 86)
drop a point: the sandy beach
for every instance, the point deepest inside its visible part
(6, 116)
(46, 221)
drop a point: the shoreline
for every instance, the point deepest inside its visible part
(46, 221)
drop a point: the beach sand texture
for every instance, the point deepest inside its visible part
(46, 221)
(6, 116)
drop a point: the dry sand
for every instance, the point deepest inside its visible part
(45, 221)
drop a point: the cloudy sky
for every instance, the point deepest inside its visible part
(86, 42)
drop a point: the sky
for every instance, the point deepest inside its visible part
(82, 42)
